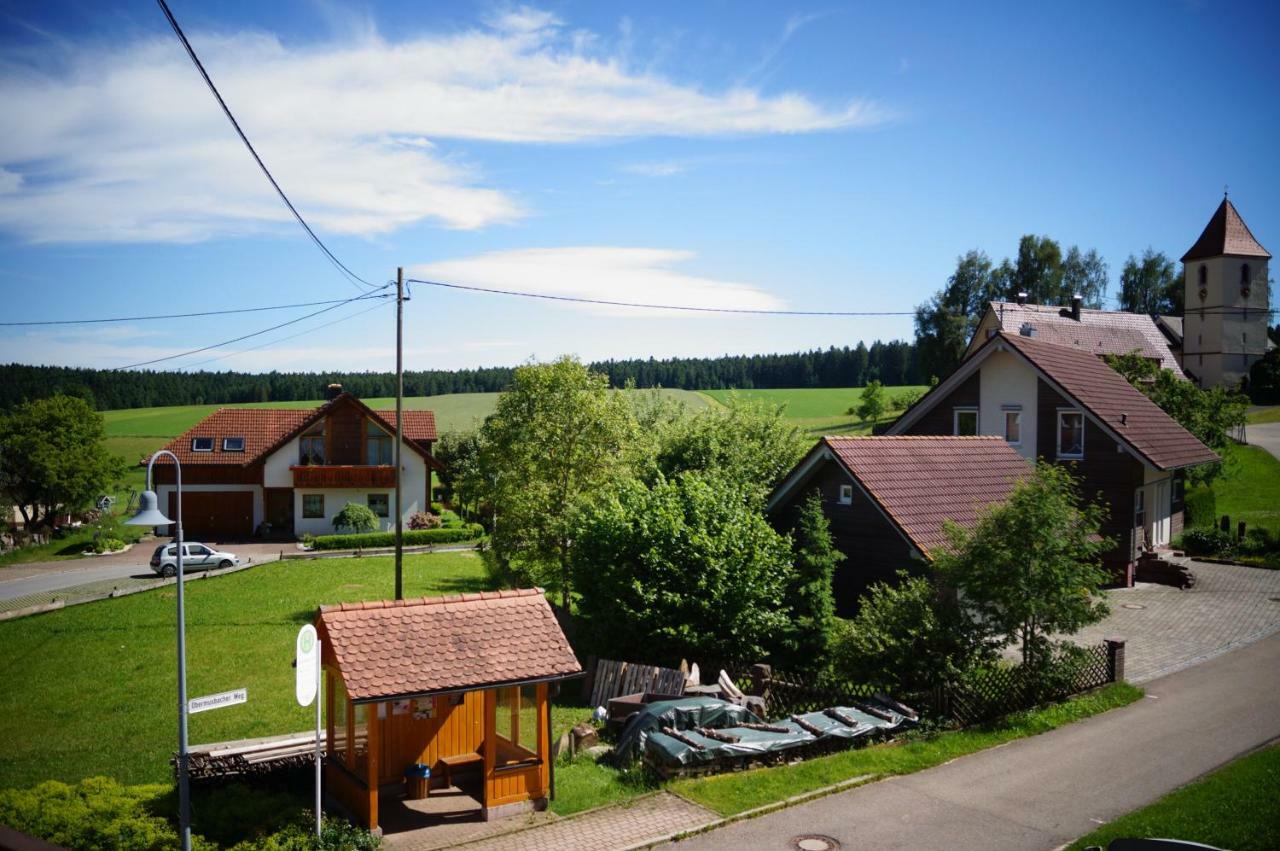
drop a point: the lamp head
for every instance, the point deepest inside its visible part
(149, 513)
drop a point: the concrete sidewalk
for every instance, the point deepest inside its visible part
(1044, 791)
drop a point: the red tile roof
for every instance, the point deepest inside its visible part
(1101, 332)
(1226, 233)
(266, 429)
(415, 647)
(923, 481)
(261, 428)
(1107, 395)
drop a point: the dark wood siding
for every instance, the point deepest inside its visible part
(1107, 474)
(210, 474)
(939, 418)
(874, 549)
(345, 428)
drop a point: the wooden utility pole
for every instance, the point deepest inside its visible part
(399, 428)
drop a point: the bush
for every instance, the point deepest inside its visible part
(368, 540)
(1201, 507)
(1259, 542)
(107, 545)
(355, 517)
(97, 812)
(1207, 542)
(423, 520)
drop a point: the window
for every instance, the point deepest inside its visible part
(1244, 277)
(202, 444)
(1070, 434)
(197, 550)
(377, 444)
(1013, 426)
(380, 504)
(313, 505)
(311, 448)
(1204, 275)
(964, 422)
(846, 494)
(233, 444)
(516, 724)
(1140, 518)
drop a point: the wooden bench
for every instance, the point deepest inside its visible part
(457, 761)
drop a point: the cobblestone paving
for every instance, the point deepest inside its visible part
(623, 826)
(1230, 606)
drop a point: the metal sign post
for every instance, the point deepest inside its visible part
(307, 689)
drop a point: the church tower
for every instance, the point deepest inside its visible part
(1227, 301)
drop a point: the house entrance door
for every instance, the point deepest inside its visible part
(1161, 522)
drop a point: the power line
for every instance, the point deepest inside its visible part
(177, 315)
(248, 336)
(579, 300)
(289, 337)
(355, 279)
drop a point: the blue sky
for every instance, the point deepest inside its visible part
(804, 156)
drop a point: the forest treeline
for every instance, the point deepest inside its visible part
(891, 363)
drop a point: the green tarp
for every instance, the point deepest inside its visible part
(643, 732)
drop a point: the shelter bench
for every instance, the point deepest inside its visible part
(458, 761)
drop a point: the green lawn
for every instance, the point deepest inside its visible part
(1249, 488)
(1236, 807)
(89, 690)
(729, 794)
(819, 411)
(1265, 414)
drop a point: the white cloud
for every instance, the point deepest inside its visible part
(125, 144)
(638, 275)
(657, 169)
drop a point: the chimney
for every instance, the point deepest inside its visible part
(1027, 330)
(333, 391)
(1077, 301)
(1022, 297)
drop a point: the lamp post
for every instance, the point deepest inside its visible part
(149, 514)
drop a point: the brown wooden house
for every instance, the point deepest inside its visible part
(460, 684)
(887, 498)
(1064, 404)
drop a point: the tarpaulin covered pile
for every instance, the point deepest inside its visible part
(644, 731)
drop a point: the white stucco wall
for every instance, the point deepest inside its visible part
(1007, 381)
(413, 485)
(1228, 327)
(275, 470)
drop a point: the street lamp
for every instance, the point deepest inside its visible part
(149, 514)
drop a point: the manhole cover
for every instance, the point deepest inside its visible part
(815, 842)
(1132, 606)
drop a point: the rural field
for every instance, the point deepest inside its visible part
(820, 410)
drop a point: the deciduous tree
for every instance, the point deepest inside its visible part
(1031, 569)
(52, 458)
(872, 404)
(1150, 285)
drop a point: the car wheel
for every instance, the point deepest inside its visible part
(168, 571)
(224, 563)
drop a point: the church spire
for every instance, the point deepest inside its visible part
(1226, 234)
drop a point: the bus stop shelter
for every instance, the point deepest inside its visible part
(459, 684)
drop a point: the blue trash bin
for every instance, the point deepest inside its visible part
(417, 781)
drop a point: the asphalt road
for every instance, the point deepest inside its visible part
(26, 580)
(1045, 791)
(1266, 435)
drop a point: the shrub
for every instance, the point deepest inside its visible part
(424, 520)
(1259, 542)
(356, 518)
(1201, 507)
(1207, 542)
(97, 812)
(419, 537)
(107, 545)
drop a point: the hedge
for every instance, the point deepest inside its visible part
(1201, 507)
(412, 538)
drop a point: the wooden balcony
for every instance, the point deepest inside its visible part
(344, 476)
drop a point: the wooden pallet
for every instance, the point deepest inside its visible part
(614, 679)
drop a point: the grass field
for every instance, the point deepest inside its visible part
(1249, 489)
(89, 689)
(1265, 414)
(819, 411)
(1235, 807)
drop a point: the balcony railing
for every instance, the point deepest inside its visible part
(344, 476)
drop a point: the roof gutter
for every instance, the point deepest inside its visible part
(410, 695)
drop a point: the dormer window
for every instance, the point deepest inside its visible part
(202, 444)
(233, 444)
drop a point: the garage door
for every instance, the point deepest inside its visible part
(215, 515)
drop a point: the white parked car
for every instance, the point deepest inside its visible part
(164, 560)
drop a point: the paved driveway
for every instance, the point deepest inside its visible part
(1167, 629)
(1266, 435)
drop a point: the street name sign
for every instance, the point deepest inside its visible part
(217, 701)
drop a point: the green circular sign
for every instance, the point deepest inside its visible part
(308, 641)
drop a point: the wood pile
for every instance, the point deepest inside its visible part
(613, 679)
(250, 756)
